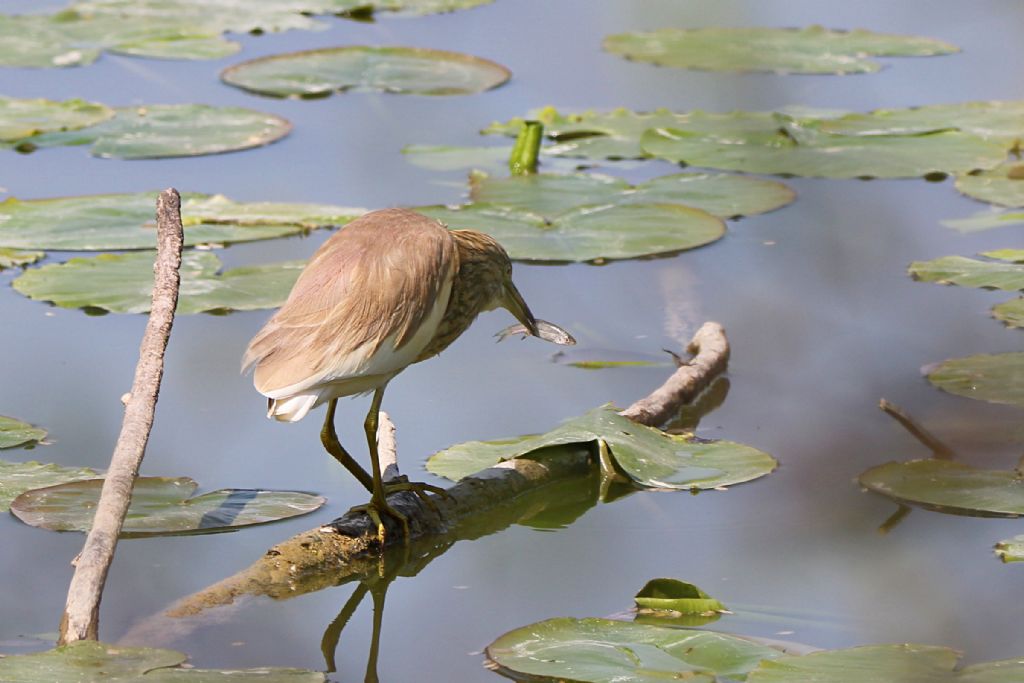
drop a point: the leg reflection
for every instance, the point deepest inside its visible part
(377, 587)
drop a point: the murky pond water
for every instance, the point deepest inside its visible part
(822, 316)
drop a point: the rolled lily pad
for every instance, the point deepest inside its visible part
(89, 661)
(903, 663)
(811, 50)
(14, 432)
(719, 194)
(986, 220)
(1011, 550)
(123, 283)
(967, 272)
(1003, 185)
(997, 378)
(649, 456)
(1010, 312)
(24, 118)
(674, 595)
(127, 221)
(605, 651)
(316, 73)
(948, 486)
(587, 233)
(9, 258)
(18, 477)
(161, 506)
(170, 130)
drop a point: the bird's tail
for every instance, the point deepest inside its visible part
(291, 409)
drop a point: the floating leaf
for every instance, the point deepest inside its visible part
(1011, 550)
(18, 477)
(903, 663)
(17, 433)
(997, 378)
(1010, 312)
(451, 158)
(587, 233)
(986, 220)
(89, 661)
(606, 364)
(720, 194)
(1003, 185)
(1001, 121)
(649, 456)
(948, 486)
(13, 257)
(24, 118)
(967, 272)
(316, 73)
(676, 596)
(169, 130)
(123, 283)
(605, 651)
(127, 221)
(161, 505)
(811, 50)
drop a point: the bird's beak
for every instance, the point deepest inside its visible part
(517, 307)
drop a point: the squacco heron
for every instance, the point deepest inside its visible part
(390, 289)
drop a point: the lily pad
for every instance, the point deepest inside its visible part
(986, 220)
(14, 432)
(967, 272)
(10, 258)
(126, 221)
(123, 283)
(811, 50)
(1002, 185)
(608, 364)
(169, 130)
(996, 120)
(20, 118)
(1010, 312)
(674, 595)
(948, 486)
(720, 194)
(89, 661)
(18, 477)
(1011, 550)
(997, 378)
(605, 651)
(316, 73)
(649, 456)
(903, 663)
(587, 233)
(161, 506)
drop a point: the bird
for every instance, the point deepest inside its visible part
(391, 288)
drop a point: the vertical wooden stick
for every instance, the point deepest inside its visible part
(81, 614)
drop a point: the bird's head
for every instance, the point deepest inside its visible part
(484, 264)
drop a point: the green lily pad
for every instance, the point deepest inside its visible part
(14, 432)
(89, 661)
(127, 221)
(1002, 185)
(903, 663)
(605, 651)
(811, 50)
(719, 194)
(1011, 550)
(996, 120)
(169, 130)
(997, 378)
(1014, 255)
(607, 364)
(948, 486)
(20, 118)
(967, 272)
(587, 233)
(18, 477)
(123, 283)
(160, 506)
(316, 73)
(1010, 312)
(10, 258)
(649, 456)
(986, 220)
(673, 595)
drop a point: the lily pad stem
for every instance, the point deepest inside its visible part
(526, 149)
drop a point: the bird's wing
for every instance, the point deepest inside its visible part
(367, 303)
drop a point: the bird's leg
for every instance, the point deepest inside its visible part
(379, 500)
(330, 440)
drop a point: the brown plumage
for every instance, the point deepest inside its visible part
(390, 289)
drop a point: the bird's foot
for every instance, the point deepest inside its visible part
(373, 510)
(421, 490)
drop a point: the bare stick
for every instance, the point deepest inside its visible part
(939, 450)
(81, 614)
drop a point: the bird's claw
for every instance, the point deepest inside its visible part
(373, 510)
(421, 490)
